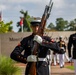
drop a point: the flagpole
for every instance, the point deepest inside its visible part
(22, 28)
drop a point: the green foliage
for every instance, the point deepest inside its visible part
(70, 67)
(51, 26)
(60, 24)
(4, 28)
(63, 25)
(7, 66)
(72, 25)
(26, 22)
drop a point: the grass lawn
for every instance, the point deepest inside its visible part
(70, 67)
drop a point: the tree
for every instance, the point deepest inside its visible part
(5, 27)
(26, 22)
(71, 25)
(51, 26)
(75, 24)
(61, 24)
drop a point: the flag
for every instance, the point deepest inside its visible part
(21, 22)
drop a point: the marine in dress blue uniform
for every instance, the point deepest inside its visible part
(72, 53)
(26, 45)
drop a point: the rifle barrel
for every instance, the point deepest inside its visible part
(51, 7)
(50, 2)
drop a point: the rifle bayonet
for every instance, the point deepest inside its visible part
(49, 8)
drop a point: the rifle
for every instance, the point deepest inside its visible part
(45, 16)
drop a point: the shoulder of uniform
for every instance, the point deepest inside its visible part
(27, 37)
(73, 34)
(47, 38)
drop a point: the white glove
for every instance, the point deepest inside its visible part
(31, 58)
(38, 39)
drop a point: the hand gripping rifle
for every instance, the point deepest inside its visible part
(45, 16)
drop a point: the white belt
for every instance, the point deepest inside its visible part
(42, 59)
(62, 47)
(33, 58)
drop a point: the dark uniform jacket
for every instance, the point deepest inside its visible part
(26, 46)
(72, 41)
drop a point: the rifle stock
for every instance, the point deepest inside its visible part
(32, 70)
(45, 16)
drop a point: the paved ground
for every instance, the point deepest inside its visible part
(55, 70)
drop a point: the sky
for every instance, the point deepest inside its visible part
(61, 8)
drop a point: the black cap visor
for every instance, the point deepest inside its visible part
(35, 23)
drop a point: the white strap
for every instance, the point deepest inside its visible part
(42, 59)
(62, 47)
(33, 58)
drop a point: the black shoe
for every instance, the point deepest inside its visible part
(69, 61)
(62, 66)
